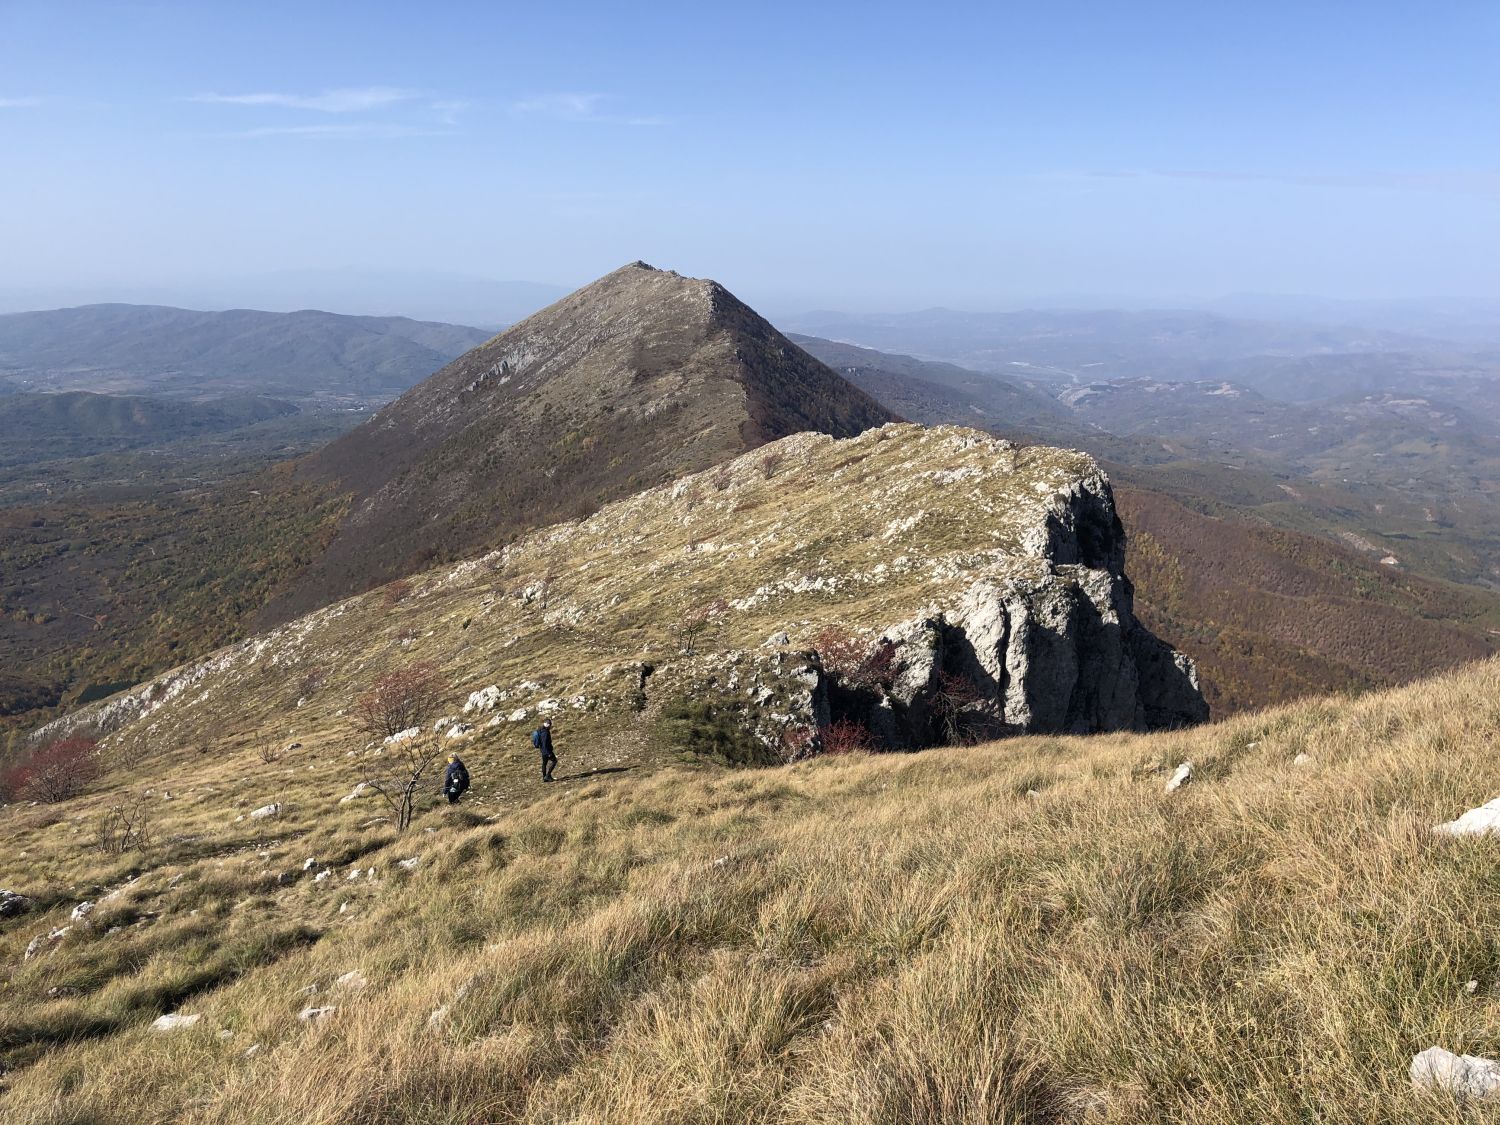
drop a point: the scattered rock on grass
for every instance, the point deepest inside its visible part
(81, 912)
(265, 812)
(1464, 1076)
(485, 699)
(1483, 821)
(1182, 777)
(352, 981)
(312, 1015)
(174, 1022)
(1302, 760)
(12, 904)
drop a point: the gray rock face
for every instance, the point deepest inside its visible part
(12, 904)
(1058, 654)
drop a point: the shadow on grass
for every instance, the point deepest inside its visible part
(24, 1040)
(588, 774)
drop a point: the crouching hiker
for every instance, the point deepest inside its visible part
(456, 780)
(541, 738)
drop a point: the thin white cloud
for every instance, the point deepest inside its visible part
(448, 111)
(1464, 180)
(373, 130)
(350, 100)
(577, 107)
(19, 103)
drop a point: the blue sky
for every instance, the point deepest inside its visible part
(836, 155)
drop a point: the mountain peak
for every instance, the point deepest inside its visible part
(637, 378)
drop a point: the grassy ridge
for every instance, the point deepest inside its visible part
(1026, 931)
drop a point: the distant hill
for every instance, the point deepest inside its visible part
(639, 378)
(1074, 344)
(436, 295)
(928, 391)
(148, 349)
(49, 427)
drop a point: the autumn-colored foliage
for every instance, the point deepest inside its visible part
(855, 661)
(52, 773)
(846, 736)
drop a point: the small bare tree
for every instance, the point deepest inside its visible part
(414, 759)
(401, 699)
(695, 624)
(125, 826)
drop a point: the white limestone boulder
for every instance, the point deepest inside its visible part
(1468, 1077)
(1483, 821)
(174, 1022)
(1183, 776)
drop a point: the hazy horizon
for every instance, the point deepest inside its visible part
(866, 159)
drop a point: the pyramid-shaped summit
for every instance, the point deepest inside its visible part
(639, 378)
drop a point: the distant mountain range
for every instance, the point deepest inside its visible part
(143, 349)
(1072, 345)
(425, 295)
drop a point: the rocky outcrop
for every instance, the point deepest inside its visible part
(1053, 648)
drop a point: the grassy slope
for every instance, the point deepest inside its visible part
(910, 938)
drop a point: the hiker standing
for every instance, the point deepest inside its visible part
(541, 738)
(456, 779)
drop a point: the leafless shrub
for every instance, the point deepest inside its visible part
(722, 479)
(401, 699)
(956, 704)
(125, 826)
(697, 623)
(394, 593)
(847, 737)
(55, 772)
(770, 463)
(414, 759)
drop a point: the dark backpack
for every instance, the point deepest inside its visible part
(536, 738)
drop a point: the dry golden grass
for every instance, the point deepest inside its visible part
(911, 938)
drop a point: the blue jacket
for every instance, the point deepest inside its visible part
(456, 780)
